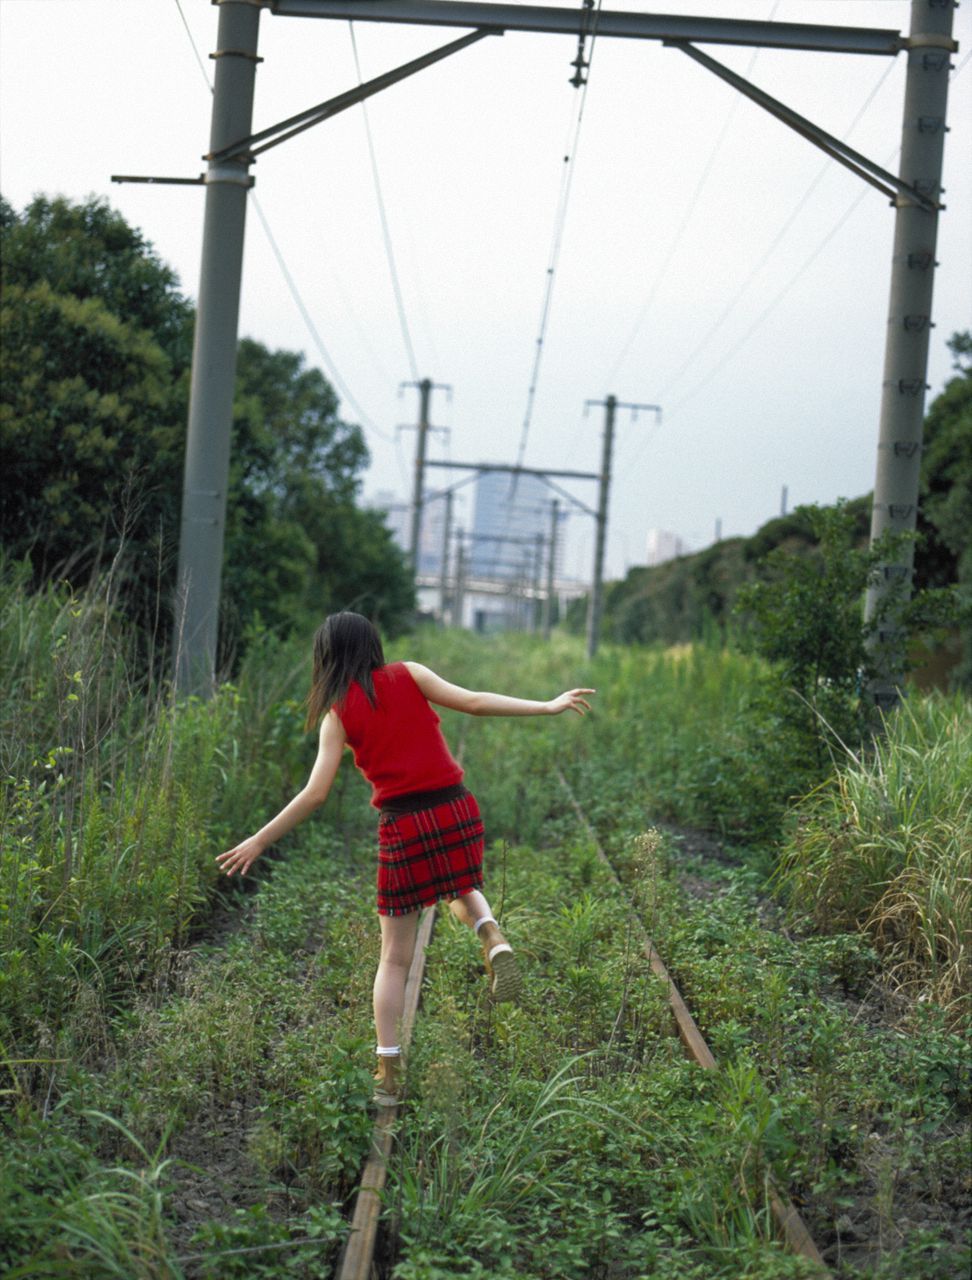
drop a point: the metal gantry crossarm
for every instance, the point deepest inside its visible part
(233, 146)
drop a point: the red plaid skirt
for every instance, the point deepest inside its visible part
(428, 855)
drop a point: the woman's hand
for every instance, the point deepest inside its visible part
(242, 857)
(572, 700)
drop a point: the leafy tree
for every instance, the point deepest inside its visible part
(297, 544)
(95, 342)
(946, 491)
(804, 615)
(89, 251)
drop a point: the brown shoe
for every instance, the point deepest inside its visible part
(505, 982)
(388, 1082)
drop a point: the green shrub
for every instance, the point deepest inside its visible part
(885, 846)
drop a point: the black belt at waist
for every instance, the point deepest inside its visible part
(413, 801)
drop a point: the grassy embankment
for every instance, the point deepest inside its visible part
(178, 1104)
(855, 1097)
(184, 1068)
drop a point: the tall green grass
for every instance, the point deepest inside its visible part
(885, 846)
(114, 800)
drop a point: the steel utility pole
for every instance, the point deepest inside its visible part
(551, 568)
(425, 388)
(459, 591)
(898, 472)
(537, 571)
(595, 603)
(446, 541)
(214, 354)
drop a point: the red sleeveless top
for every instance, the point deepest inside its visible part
(397, 744)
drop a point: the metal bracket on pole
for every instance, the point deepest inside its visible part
(277, 133)
(172, 182)
(887, 183)
(505, 466)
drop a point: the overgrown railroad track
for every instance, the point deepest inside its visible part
(357, 1261)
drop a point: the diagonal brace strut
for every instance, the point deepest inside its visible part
(278, 133)
(885, 182)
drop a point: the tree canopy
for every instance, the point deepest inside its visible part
(693, 595)
(95, 342)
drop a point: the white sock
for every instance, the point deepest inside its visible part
(483, 920)
(391, 1051)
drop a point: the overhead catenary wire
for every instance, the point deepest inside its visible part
(383, 215)
(195, 47)
(777, 240)
(804, 266)
(560, 222)
(365, 419)
(588, 27)
(777, 298)
(683, 226)
(767, 311)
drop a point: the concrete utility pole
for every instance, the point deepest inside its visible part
(551, 568)
(214, 355)
(446, 543)
(784, 494)
(595, 603)
(898, 472)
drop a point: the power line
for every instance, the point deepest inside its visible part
(771, 306)
(772, 247)
(774, 303)
(195, 49)
(560, 220)
(386, 231)
(318, 341)
(684, 224)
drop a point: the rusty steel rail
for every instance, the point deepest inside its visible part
(356, 1261)
(791, 1226)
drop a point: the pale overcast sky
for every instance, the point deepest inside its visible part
(712, 261)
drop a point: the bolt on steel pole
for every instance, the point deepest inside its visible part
(425, 391)
(214, 355)
(595, 604)
(896, 485)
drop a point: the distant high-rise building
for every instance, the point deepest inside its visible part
(661, 545)
(396, 514)
(398, 517)
(511, 510)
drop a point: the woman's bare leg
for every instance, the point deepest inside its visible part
(471, 908)
(397, 946)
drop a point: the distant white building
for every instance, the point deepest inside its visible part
(661, 545)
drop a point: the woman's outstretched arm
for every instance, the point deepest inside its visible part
(330, 745)
(481, 703)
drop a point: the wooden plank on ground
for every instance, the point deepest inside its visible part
(788, 1220)
(356, 1262)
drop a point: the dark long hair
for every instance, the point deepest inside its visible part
(346, 648)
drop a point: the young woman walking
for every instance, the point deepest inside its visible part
(430, 834)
